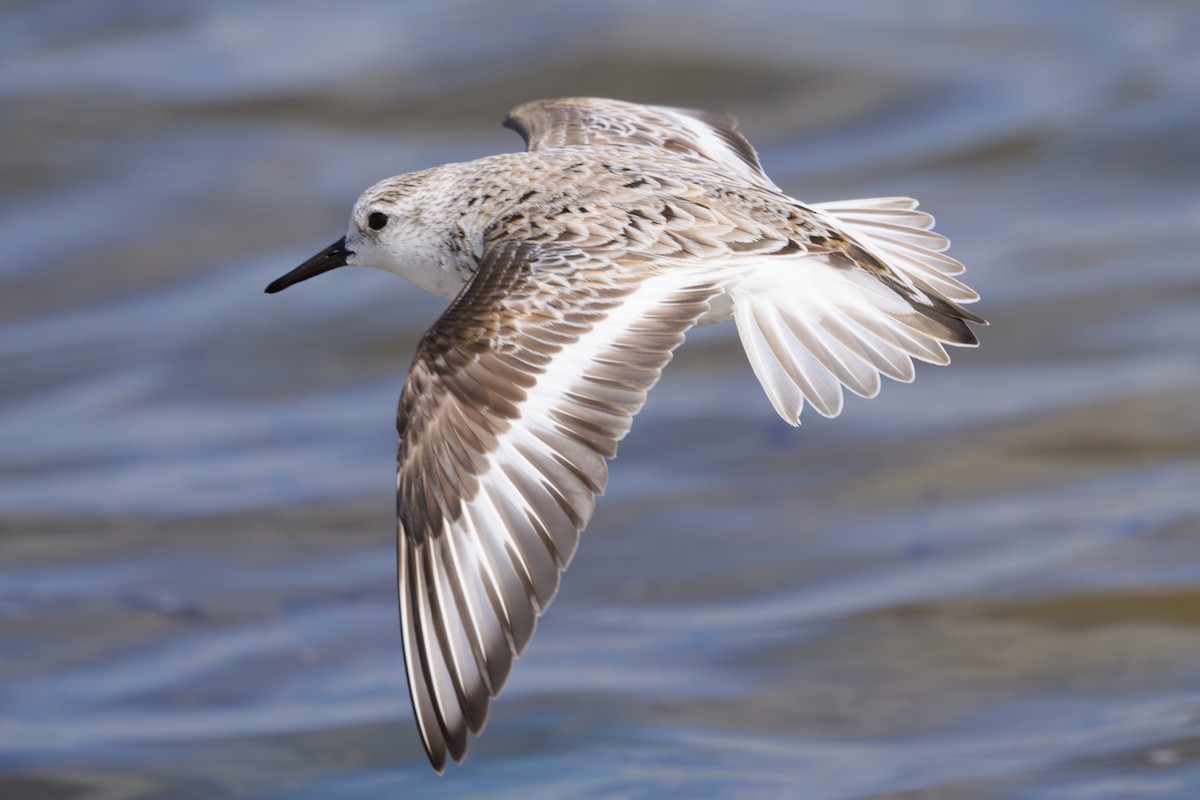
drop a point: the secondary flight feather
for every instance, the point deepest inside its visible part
(575, 269)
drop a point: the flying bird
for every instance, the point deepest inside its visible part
(574, 270)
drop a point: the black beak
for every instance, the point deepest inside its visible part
(331, 257)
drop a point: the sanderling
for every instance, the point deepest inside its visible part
(575, 269)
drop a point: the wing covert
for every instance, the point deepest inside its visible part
(581, 121)
(516, 398)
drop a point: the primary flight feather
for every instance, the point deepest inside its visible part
(576, 268)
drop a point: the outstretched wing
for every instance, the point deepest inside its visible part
(516, 397)
(873, 292)
(575, 121)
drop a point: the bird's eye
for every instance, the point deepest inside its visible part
(378, 220)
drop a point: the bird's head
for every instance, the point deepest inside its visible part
(391, 228)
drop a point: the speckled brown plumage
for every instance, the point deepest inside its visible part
(575, 270)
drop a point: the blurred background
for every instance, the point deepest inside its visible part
(982, 585)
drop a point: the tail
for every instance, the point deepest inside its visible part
(818, 322)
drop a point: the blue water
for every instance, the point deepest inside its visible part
(982, 585)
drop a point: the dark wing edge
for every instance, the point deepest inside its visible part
(516, 398)
(579, 121)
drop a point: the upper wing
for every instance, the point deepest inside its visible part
(516, 397)
(577, 121)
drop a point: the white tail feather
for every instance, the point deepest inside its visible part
(811, 325)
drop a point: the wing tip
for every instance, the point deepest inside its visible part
(514, 123)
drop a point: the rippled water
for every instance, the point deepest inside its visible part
(982, 585)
